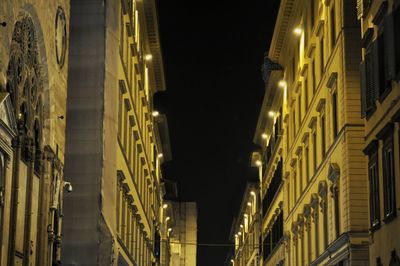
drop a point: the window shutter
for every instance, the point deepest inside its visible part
(363, 89)
(359, 8)
(390, 63)
(375, 72)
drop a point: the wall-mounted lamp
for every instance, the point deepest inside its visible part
(297, 31)
(155, 113)
(165, 206)
(167, 219)
(282, 84)
(160, 155)
(258, 163)
(148, 57)
(271, 114)
(264, 136)
(68, 186)
(253, 193)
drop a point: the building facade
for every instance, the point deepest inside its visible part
(380, 90)
(312, 129)
(245, 232)
(269, 160)
(182, 233)
(116, 140)
(33, 91)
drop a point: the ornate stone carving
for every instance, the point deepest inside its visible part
(61, 37)
(25, 85)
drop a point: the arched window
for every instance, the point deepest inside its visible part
(25, 85)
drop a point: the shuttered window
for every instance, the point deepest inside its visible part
(389, 177)
(369, 76)
(374, 189)
(334, 114)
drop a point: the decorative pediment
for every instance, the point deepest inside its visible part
(314, 201)
(334, 172)
(307, 210)
(322, 189)
(7, 117)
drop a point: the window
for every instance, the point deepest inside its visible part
(309, 241)
(323, 137)
(300, 118)
(321, 53)
(389, 177)
(120, 104)
(294, 187)
(396, 23)
(316, 231)
(121, 36)
(306, 94)
(314, 147)
(325, 212)
(301, 172)
(334, 114)
(368, 69)
(381, 63)
(314, 82)
(374, 189)
(307, 162)
(294, 121)
(336, 202)
(333, 26)
(312, 14)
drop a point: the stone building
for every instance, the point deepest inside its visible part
(33, 91)
(269, 160)
(245, 232)
(116, 140)
(181, 228)
(380, 76)
(324, 190)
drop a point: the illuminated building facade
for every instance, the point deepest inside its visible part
(380, 76)
(33, 91)
(311, 119)
(116, 140)
(182, 233)
(269, 162)
(245, 232)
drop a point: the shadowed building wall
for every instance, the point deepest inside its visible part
(116, 142)
(380, 76)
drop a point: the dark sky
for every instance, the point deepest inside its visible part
(213, 51)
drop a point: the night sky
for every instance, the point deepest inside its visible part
(213, 53)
